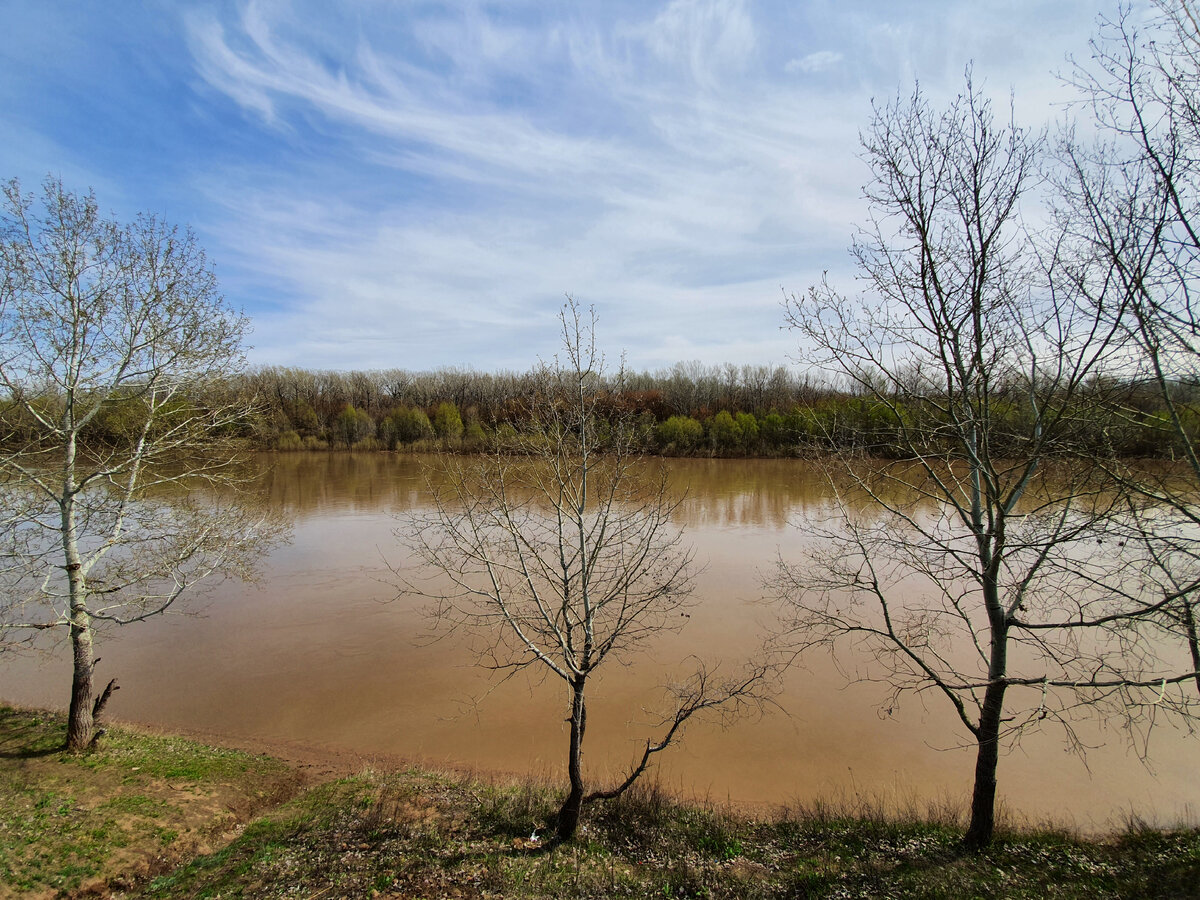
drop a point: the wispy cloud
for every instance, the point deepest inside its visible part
(699, 183)
(707, 38)
(814, 62)
(419, 184)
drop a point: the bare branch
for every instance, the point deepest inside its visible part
(558, 550)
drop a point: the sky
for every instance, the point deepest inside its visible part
(418, 184)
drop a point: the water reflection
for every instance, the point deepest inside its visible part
(323, 651)
(718, 493)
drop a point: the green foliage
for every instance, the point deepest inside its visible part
(404, 425)
(118, 422)
(304, 419)
(774, 431)
(724, 434)
(679, 433)
(748, 425)
(1189, 421)
(447, 422)
(873, 426)
(812, 425)
(506, 435)
(474, 435)
(288, 441)
(352, 426)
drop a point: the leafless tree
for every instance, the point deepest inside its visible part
(1133, 197)
(561, 556)
(975, 572)
(113, 345)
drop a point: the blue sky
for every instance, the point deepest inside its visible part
(413, 184)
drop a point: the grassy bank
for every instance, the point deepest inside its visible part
(152, 816)
(111, 818)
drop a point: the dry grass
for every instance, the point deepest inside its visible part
(124, 821)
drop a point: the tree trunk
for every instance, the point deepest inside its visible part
(983, 797)
(80, 718)
(991, 715)
(80, 722)
(1189, 621)
(568, 816)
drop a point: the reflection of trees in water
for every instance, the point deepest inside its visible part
(362, 482)
(725, 493)
(770, 493)
(720, 493)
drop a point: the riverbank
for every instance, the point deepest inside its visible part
(156, 816)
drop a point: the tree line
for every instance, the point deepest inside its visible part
(687, 410)
(690, 409)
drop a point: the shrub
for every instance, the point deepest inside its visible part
(447, 423)
(405, 426)
(749, 427)
(723, 432)
(680, 433)
(352, 426)
(289, 440)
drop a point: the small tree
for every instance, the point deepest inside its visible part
(748, 425)
(447, 422)
(976, 575)
(404, 426)
(122, 325)
(724, 432)
(353, 425)
(561, 556)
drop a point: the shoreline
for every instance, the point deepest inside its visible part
(318, 763)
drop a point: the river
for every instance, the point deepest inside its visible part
(322, 650)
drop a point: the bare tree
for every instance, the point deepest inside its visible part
(118, 461)
(1133, 197)
(975, 573)
(561, 556)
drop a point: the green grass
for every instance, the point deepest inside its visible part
(150, 817)
(139, 755)
(69, 819)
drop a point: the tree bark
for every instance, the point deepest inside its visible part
(80, 718)
(991, 714)
(568, 815)
(80, 721)
(102, 700)
(1189, 621)
(983, 796)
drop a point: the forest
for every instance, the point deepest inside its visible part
(690, 409)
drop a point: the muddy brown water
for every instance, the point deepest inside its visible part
(321, 651)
